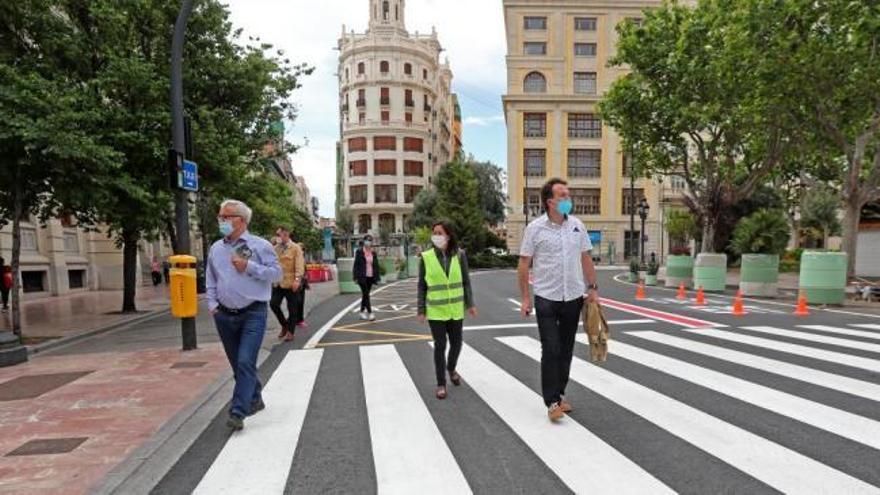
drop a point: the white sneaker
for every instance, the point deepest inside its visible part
(372, 317)
(364, 315)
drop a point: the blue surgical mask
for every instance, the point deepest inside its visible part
(368, 243)
(564, 206)
(226, 228)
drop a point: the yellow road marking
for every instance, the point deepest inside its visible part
(408, 315)
(378, 332)
(380, 341)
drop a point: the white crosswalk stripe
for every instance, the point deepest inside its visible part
(266, 445)
(413, 449)
(832, 381)
(869, 326)
(408, 450)
(779, 467)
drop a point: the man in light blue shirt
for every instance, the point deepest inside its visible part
(241, 270)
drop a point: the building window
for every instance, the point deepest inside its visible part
(408, 117)
(385, 143)
(76, 279)
(535, 83)
(384, 96)
(365, 223)
(584, 163)
(535, 125)
(28, 240)
(410, 193)
(346, 74)
(386, 222)
(384, 67)
(584, 125)
(635, 20)
(358, 194)
(71, 242)
(584, 49)
(407, 69)
(535, 161)
(627, 163)
(362, 98)
(585, 83)
(386, 116)
(538, 23)
(408, 98)
(385, 10)
(362, 69)
(386, 193)
(413, 144)
(362, 118)
(412, 168)
(631, 243)
(384, 167)
(586, 201)
(33, 282)
(585, 23)
(533, 202)
(535, 48)
(357, 168)
(405, 219)
(629, 205)
(357, 144)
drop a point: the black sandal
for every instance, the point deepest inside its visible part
(455, 378)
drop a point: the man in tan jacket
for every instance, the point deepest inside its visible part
(290, 257)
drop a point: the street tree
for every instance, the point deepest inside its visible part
(491, 188)
(694, 105)
(818, 210)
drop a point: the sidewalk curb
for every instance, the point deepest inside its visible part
(65, 341)
(152, 460)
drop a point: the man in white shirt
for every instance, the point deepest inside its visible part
(559, 247)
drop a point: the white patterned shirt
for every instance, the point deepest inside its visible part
(556, 251)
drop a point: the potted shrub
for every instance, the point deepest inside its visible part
(760, 239)
(651, 276)
(681, 227)
(634, 267)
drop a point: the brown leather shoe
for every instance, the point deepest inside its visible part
(565, 406)
(555, 412)
(288, 337)
(283, 332)
(455, 378)
(441, 393)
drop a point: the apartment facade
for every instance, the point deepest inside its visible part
(557, 72)
(397, 118)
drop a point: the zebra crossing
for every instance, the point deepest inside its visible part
(815, 387)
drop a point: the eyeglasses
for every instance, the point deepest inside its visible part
(227, 217)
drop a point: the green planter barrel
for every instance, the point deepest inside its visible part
(759, 275)
(679, 269)
(651, 280)
(710, 272)
(413, 265)
(632, 277)
(823, 277)
(390, 269)
(345, 273)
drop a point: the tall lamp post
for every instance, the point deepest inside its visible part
(181, 203)
(632, 204)
(643, 214)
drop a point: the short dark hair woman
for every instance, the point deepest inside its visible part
(444, 293)
(366, 273)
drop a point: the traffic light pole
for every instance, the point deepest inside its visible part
(181, 201)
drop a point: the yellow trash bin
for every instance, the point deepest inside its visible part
(184, 300)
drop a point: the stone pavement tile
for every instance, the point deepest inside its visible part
(117, 407)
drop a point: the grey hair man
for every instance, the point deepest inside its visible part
(241, 269)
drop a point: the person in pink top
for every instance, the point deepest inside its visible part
(156, 271)
(366, 273)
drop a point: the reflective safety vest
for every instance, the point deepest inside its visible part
(445, 300)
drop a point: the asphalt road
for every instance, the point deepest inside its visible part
(691, 400)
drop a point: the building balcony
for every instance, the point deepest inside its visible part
(362, 103)
(410, 104)
(385, 101)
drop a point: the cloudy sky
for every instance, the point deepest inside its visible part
(471, 31)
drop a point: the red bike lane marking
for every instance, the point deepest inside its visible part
(660, 315)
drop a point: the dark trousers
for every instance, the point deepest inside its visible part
(440, 330)
(5, 293)
(157, 278)
(278, 295)
(300, 305)
(557, 324)
(242, 335)
(366, 285)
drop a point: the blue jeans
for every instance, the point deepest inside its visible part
(242, 335)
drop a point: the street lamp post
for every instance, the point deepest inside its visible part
(643, 214)
(632, 203)
(181, 201)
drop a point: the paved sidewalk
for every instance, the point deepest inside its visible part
(75, 413)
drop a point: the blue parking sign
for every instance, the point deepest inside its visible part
(188, 178)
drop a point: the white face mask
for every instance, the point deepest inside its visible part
(440, 241)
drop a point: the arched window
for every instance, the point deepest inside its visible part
(383, 67)
(365, 224)
(535, 83)
(361, 69)
(407, 69)
(385, 10)
(386, 222)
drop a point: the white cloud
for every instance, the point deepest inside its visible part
(472, 32)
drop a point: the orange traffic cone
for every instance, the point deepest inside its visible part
(640, 291)
(681, 293)
(738, 307)
(802, 308)
(701, 297)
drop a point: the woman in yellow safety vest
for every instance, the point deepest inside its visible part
(444, 293)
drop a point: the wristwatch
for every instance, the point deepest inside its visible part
(593, 287)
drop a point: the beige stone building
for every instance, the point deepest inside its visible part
(557, 71)
(397, 117)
